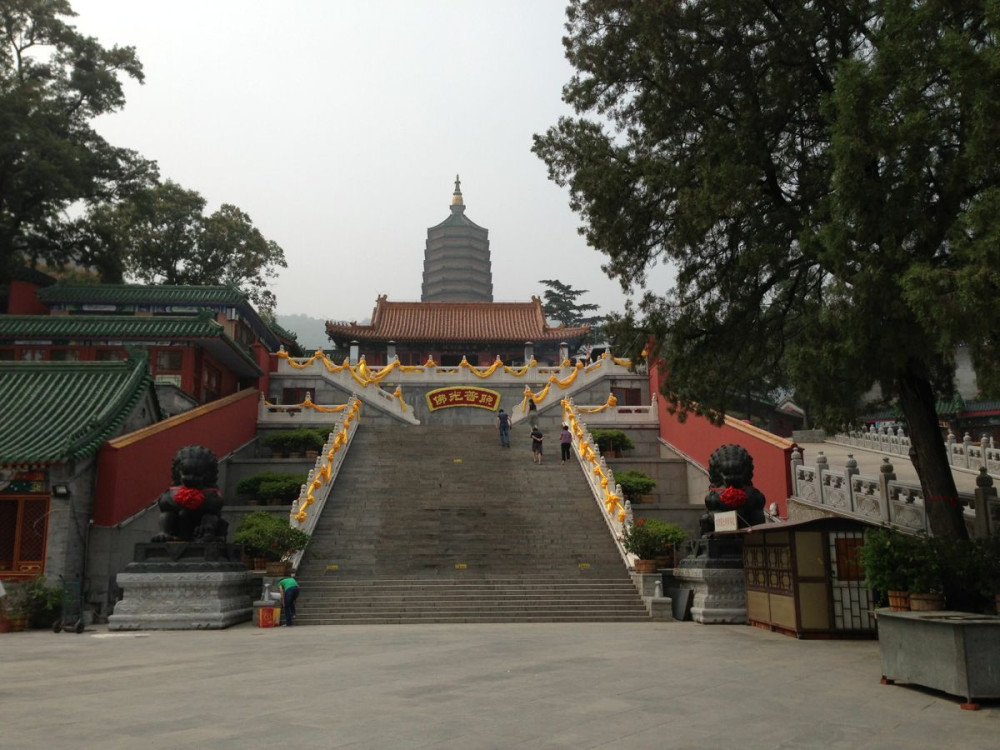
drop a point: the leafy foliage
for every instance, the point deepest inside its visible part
(53, 82)
(560, 304)
(295, 441)
(268, 535)
(161, 235)
(268, 484)
(824, 176)
(635, 484)
(648, 538)
(612, 441)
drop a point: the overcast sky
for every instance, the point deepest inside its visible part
(339, 128)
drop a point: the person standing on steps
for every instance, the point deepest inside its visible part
(536, 445)
(503, 426)
(289, 593)
(565, 441)
(532, 412)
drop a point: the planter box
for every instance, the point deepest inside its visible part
(955, 652)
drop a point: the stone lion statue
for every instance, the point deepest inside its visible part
(191, 510)
(730, 476)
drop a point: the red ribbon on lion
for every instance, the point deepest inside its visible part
(189, 497)
(732, 497)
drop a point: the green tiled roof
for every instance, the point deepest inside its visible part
(107, 327)
(62, 411)
(129, 294)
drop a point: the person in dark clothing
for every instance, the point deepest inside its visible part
(536, 445)
(532, 412)
(503, 426)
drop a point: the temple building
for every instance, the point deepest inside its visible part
(448, 331)
(457, 258)
(456, 316)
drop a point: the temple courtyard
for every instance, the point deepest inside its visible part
(649, 685)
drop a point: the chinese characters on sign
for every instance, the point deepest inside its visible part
(481, 398)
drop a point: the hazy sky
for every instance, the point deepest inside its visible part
(339, 128)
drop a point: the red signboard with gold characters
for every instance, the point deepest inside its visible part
(481, 398)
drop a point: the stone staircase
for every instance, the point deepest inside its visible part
(437, 523)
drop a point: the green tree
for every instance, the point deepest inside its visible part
(561, 304)
(53, 83)
(825, 178)
(161, 235)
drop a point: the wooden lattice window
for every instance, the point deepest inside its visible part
(23, 530)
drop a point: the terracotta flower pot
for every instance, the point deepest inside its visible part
(280, 568)
(645, 566)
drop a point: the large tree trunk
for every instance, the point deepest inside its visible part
(916, 398)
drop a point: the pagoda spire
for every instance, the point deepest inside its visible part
(456, 197)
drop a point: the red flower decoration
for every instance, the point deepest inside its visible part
(732, 497)
(188, 497)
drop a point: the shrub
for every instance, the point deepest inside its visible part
(634, 484)
(267, 535)
(648, 538)
(612, 440)
(887, 558)
(36, 600)
(254, 485)
(285, 488)
(295, 441)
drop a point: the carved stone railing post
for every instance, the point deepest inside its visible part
(794, 462)
(986, 506)
(822, 466)
(886, 474)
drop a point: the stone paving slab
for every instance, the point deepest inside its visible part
(546, 686)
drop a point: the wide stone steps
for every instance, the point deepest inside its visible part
(437, 523)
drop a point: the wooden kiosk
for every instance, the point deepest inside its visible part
(804, 579)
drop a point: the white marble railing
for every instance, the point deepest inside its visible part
(966, 454)
(601, 480)
(874, 497)
(366, 383)
(621, 415)
(305, 512)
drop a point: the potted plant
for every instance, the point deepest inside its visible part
(886, 557)
(649, 539)
(270, 536)
(612, 442)
(671, 535)
(14, 609)
(293, 443)
(926, 571)
(635, 484)
(281, 490)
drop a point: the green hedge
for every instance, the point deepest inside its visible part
(634, 484)
(268, 484)
(609, 441)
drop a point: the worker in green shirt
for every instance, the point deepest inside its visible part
(289, 593)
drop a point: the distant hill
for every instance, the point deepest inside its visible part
(311, 332)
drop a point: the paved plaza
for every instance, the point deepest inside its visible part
(634, 686)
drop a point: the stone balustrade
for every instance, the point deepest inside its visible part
(874, 497)
(966, 454)
(623, 416)
(594, 472)
(327, 467)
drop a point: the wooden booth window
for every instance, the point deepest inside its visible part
(23, 525)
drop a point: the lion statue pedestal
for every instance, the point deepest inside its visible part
(187, 577)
